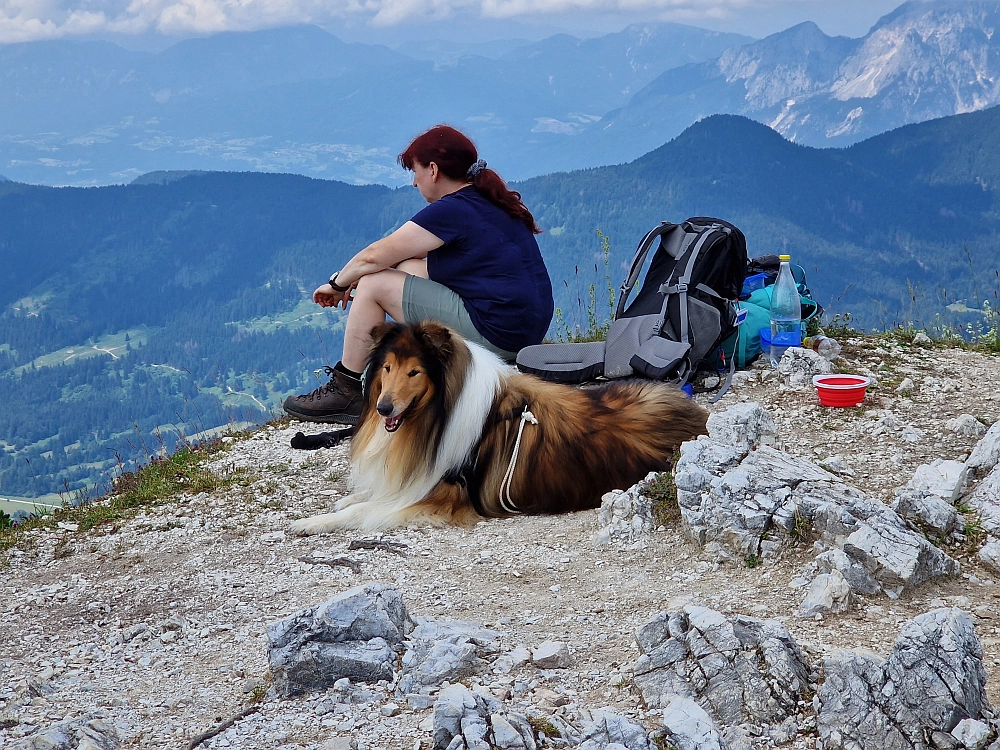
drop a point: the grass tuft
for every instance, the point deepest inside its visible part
(184, 472)
(661, 491)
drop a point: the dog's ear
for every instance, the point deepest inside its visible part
(437, 338)
(381, 331)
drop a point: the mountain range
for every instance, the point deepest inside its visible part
(133, 314)
(300, 100)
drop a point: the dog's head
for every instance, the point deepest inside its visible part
(405, 376)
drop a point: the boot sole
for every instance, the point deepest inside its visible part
(335, 418)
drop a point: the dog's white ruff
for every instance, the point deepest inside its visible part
(378, 498)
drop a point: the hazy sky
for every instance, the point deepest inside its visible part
(393, 20)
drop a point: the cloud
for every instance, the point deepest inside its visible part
(27, 20)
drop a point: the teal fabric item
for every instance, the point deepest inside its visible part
(758, 307)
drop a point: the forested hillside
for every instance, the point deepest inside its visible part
(132, 314)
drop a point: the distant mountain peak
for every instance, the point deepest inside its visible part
(3, 179)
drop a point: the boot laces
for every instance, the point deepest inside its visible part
(332, 386)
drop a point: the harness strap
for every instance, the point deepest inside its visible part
(505, 501)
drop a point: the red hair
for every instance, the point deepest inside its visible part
(454, 153)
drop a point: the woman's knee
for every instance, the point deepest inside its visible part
(384, 288)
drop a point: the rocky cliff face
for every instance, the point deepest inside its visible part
(923, 61)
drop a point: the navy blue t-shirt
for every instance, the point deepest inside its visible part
(491, 260)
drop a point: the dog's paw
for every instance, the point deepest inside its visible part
(346, 502)
(312, 525)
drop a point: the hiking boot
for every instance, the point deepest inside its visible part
(339, 401)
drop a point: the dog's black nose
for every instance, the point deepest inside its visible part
(384, 408)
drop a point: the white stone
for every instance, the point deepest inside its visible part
(989, 554)
(837, 465)
(922, 339)
(966, 424)
(829, 593)
(690, 726)
(798, 366)
(745, 426)
(986, 454)
(946, 479)
(906, 386)
(971, 733)
(552, 655)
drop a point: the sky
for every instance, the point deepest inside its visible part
(156, 23)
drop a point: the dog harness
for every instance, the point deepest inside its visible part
(466, 475)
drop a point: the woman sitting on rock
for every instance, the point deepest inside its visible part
(468, 260)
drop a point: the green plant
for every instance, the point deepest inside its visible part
(334, 476)
(802, 530)
(840, 327)
(661, 491)
(752, 560)
(185, 471)
(597, 324)
(541, 725)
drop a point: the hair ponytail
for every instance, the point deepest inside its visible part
(456, 157)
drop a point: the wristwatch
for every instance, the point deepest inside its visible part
(336, 287)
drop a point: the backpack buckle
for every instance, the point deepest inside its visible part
(681, 287)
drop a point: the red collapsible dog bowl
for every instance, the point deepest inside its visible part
(841, 390)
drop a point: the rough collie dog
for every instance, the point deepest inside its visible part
(449, 434)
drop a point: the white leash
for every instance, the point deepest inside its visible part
(508, 504)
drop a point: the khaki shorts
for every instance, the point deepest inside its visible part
(424, 299)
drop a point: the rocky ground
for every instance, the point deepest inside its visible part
(157, 626)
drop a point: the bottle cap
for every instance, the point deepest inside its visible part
(784, 257)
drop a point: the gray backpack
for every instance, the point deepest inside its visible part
(684, 310)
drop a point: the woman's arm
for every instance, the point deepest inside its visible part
(409, 241)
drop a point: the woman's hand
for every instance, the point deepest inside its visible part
(327, 296)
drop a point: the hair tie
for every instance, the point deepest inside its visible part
(475, 169)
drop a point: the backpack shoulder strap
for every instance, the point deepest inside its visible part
(637, 260)
(681, 285)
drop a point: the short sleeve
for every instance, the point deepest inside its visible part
(443, 219)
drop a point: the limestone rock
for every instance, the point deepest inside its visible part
(740, 498)
(353, 635)
(603, 730)
(985, 498)
(946, 479)
(743, 426)
(72, 734)
(922, 339)
(741, 669)
(986, 454)
(440, 651)
(552, 655)
(689, 727)
(829, 593)
(837, 465)
(625, 515)
(929, 510)
(798, 366)
(966, 424)
(932, 680)
(989, 554)
(463, 720)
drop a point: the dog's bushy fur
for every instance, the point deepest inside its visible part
(440, 421)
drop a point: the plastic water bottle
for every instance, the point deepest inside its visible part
(824, 346)
(786, 312)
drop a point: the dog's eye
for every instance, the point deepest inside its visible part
(414, 372)
(386, 368)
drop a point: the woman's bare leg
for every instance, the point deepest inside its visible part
(377, 295)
